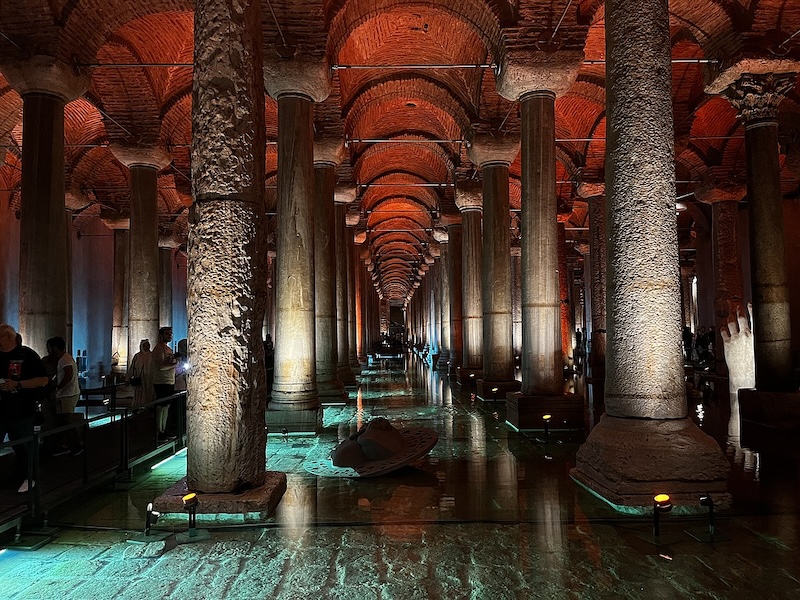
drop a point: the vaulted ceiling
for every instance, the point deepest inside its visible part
(412, 81)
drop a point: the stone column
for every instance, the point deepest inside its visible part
(327, 155)
(441, 236)
(226, 283)
(119, 333)
(46, 86)
(644, 443)
(494, 156)
(756, 97)
(564, 300)
(455, 280)
(595, 194)
(469, 202)
(516, 302)
(352, 220)
(296, 84)
(165, 287)
(143, 263)
(359, 238)
(343, 196)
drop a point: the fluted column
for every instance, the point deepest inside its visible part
(361, 352)
(225, 298)
(46, 86)
(119, 317)
(455, 279)
(343, 196)
(756, 97)
(469, 202)
(327, 154)
(441, 236)
(296, 84)
(494, 155)
(165, 287)
(143, 290)
(352, 220)
(644, 442)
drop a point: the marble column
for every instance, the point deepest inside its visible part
(226, 284)
(441, 236)
(756, 98)
(119, 317)
(46, 86)
(645, 443)
(143, 263)
(469, 202)
(296, 84)
(359, 238)
(343, 196)
(165, 287)
(494, 155)
(352, 220)
(455, 280)
(327, 154)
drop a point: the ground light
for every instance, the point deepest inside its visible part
(494, 393)
(661, 503)
(546, 419)
(148, 536)
(190, 504)
(709, 535)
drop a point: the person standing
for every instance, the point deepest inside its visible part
(22, 377)
(68, 393)
(164, 363)
(140, 375)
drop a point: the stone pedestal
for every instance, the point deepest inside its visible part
(495, 391)
(468, 377)
(525, 411)
(631, 460)
(257, 503)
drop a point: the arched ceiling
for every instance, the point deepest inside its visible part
(405, 124)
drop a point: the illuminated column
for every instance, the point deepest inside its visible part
(46, 86)
(469, 202)
(352, 219)
(494, 156)
(296, 84)
(440, 235)
(343, 196)
(327, 155)
(644, 443)
(756, 97)
(143, 263)
(165, 286)
(516, 299)
(225, 297)
(595, 195)
(454, 277)
(119, 317)
(361, 297)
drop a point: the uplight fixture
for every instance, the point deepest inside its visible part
(661, 503)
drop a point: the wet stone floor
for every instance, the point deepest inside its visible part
(490, 513)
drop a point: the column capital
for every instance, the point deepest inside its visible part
(308, 76)
(591, 189)
(344, 194)
(141, 156)
(329, 151)
(485, 149)
(352, 218)
(469, 196)
(359, 237)
(441, 235)
(46, 75)
(756, 97)
(523, 72)
(720, 191)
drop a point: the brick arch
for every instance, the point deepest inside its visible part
(428, 162)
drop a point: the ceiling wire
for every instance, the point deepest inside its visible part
(278, 25)
(563, 14)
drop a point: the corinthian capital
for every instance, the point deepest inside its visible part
(756, 97)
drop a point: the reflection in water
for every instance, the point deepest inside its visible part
(298, 507)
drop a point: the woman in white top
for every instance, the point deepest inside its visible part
(140, 375)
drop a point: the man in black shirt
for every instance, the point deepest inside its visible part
(22, 377)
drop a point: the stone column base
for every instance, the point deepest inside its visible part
(484, 389)
(295, 421)
(525, 411)
(770, 420)
(443, 362)
(467, 376)
(257, 503)
(628, 461)
(334, 398)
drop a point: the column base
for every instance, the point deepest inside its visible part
(485, 389)
(452, 369)
(347, 377)
(467, 376)
(628, 461)
(257, 503)
(770, 420)
(443, 361)
(525, 411)
(355, 366)
(333, 397)
(294, 421)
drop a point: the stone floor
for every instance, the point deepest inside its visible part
(490, 513)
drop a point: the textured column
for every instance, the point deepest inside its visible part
(143, 263)
(352, 219)
(564, 303)
(359, 238)
(516, 301)
(597, 249)
(327, 155)
(46, 85)
(493, 156)
(119, 334)
(645, 442)
(756, 98)
(455, 279)
(165, 287)
(344, 195)
(440, 235)
(226, 254)
(469, 202)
